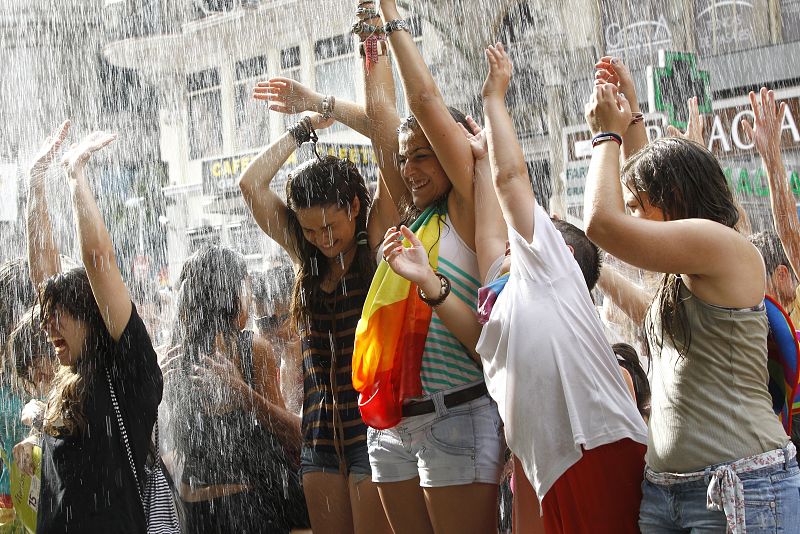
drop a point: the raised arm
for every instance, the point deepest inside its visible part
(429, 108)
(611, 69)
(766, 136)
(491, 234)
(627, 296)
(268, 209)
(43, 256)
(97, 250)
(509, 172)
(290, 96)
(699, 248)
(381, 109)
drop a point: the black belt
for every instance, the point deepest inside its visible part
(451, 400)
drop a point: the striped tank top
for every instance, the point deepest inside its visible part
(331, 419)
(446, 363)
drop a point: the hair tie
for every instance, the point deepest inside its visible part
(361, 238)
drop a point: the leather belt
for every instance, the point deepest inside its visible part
(451, 400)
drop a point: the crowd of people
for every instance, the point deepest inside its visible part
(430, 342)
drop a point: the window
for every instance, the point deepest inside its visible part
(252, 116)
(790, 20)
(205, 114)
(335, 69)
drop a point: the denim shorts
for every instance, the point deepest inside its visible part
(771, 503)
(356, 461)
(449, 447)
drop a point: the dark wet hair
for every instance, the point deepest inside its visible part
(17, 294)
(324, 182)
(71, 292)
(686, 181)
(586, 253)
(641, 386)
(771, 249)
(411, 122)
(208, 300)
(28, 349)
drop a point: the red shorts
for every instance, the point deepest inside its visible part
(601, 493)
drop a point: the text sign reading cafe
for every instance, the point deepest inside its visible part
(221, 174)
(725, 137)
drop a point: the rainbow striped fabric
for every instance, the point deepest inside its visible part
(391, 334)
(782, 362)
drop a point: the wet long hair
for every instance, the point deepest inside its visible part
(408, 211)
(28, 349)
(684, 180)
(71, 292)
(317, 183)
(16, 295)
(208, 305)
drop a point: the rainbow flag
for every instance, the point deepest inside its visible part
(391, 334)
(782, 361)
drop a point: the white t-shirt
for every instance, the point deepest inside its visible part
(548, 364)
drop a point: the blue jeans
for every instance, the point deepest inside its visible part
(771, 495)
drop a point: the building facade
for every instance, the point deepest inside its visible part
(204, 59)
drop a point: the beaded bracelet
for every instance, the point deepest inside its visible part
(445, 291)
(303, 132)
(606, 136)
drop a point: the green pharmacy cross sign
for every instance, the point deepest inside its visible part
(675, 81)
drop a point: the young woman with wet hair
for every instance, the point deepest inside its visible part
(331, 228)
(448, 480)
(20, 374)
(716, 448)
(323, 226)
(87, 482)
(229, 427)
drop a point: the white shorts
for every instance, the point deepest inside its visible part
(449, 447)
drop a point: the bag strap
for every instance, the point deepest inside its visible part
(124, 436)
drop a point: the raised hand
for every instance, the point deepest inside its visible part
(288, 96)
(499, 76)
(79, 153)
(476, 138)
(694, 128)
(608, 110)
(218, 372)
(169, 360)
(44, 156)
(611, 69)
(409, 262)
(765, 133)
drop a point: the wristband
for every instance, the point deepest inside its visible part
(636, 118)
(396, 24)
(445, 291)
(606, 136)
